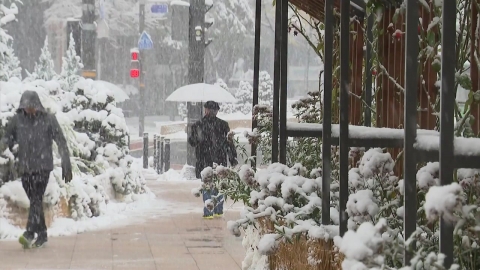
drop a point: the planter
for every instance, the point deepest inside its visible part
(302, 253)
(18, 216)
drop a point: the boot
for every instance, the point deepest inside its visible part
(26, 239)
(42, 239)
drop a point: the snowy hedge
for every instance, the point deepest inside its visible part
(96, 133)
(290, 197)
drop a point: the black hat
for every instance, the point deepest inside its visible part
(212, 105)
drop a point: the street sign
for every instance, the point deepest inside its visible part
(160, 8)
(145, 42)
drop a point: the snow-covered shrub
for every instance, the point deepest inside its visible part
(182, 110)
(225, 108)
(96, 135)
(265, 89)
(306, 151)
(290, 197)
(244, 96)
(44, 68)
(71, 66)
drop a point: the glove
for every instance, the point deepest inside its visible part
(67, 174)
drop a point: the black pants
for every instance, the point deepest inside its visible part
(35, 185)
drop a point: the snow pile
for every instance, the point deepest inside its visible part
(365, 244)
(443, 201)
(170, 175)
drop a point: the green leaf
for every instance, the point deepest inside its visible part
(431, 38)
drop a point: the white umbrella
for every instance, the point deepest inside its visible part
(201, 92)
(117, 92)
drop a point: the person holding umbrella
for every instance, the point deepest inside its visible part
(212, 145)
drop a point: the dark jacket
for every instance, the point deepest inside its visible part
(209, 137)
(35, 135)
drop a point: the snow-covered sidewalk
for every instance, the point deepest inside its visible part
(167, 232)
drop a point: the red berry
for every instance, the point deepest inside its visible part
(374, 72)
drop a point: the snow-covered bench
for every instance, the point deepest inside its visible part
(466, 150)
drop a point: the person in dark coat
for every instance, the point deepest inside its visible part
(34, 130)
(209, 137)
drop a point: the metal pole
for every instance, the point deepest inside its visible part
(327, 112)
(447, 103)
(155, 152)
(196, 66)
(344, 110)
(167, 155)
(276, 81)
(410, 116)
(141, 80)
(89, 37)
(368, 72)
(145, 150)
(283, 81)
(162, 161)
(256, 73)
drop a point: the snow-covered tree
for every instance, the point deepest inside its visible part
(9, 63)
(234, 24)
(244, 97)
(71, 66)
(182, 110)
(265, 89)
(44, 68)
(225, 107)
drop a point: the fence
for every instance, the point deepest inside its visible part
(392, 111)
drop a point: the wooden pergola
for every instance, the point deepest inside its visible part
(316, 8)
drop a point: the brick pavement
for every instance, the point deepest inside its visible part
(172, 241)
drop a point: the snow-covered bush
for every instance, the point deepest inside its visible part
(44, 68)
(306, 151)
(71, 66)
(9, 63)
(244, 96)
(290, 198)
(96, 135)
(265, 89)
(182, 110)
(225, 108)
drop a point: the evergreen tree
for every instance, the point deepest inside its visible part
(71, 66)
(265, 89)
(244, 97)
(44, 68)
(9, 64)
(226, 107)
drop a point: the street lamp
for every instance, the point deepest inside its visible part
(198, 33)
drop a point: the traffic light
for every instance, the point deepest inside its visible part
(134, 55)
(134, 63)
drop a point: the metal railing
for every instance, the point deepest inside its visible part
(346, 135)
